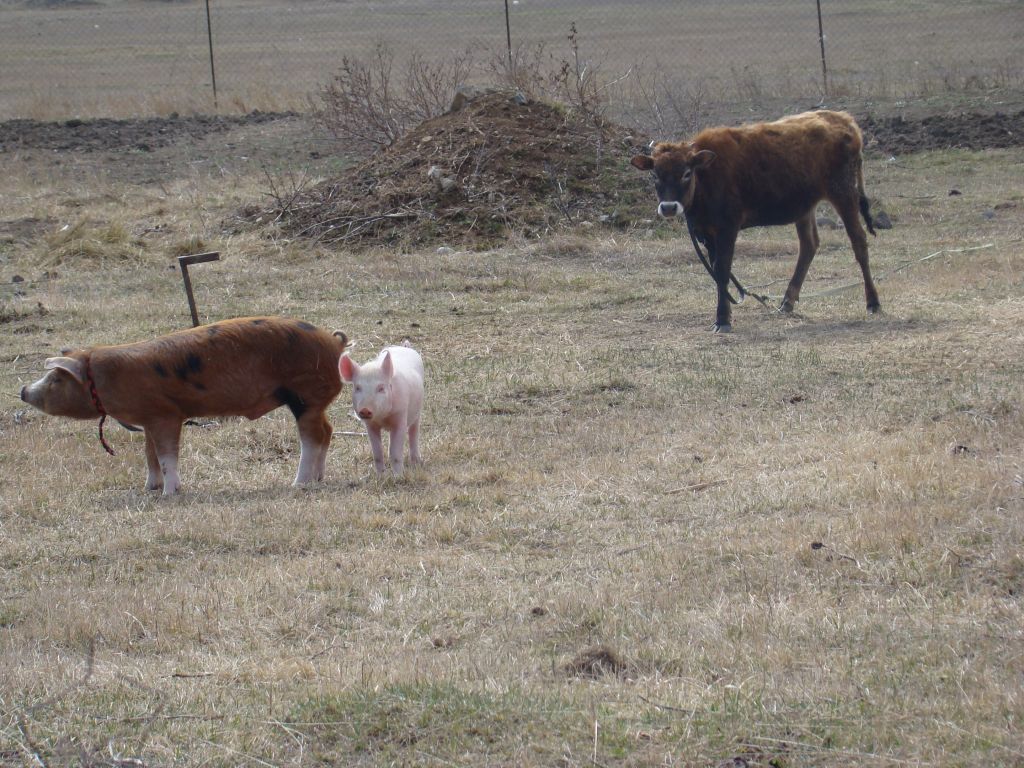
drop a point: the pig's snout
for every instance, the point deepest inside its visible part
(365, 413)
(23, 398)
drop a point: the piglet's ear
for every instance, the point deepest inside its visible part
(69, 364)
(386, 366)
(347, 368)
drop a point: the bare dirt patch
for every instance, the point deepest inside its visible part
(534, 142)
(899, 135)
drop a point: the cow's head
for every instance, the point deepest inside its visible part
(675, 167)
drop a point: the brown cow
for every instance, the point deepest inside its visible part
(728, 179)
(243, 367)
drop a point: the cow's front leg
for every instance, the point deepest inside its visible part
(721, 253)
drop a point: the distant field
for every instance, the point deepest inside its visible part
(121, 58)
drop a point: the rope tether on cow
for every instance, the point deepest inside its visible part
(882, 275)
(706, 261)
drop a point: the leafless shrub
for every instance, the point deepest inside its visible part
(368, 105)
(663, 105)
(526, 68)
(429, 87)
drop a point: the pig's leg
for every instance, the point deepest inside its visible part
(166, 441)
(154, 475)
(397, 447)
(314, 440)
(414, 443)
(376, 447)
(321, 462)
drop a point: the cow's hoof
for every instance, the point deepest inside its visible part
(786, 307)
(723, 328)
(874, 309)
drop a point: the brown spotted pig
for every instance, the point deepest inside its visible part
(243, 367)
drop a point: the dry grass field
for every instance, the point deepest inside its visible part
(634, 542)
(62, 58)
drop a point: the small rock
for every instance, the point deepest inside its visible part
(954, 192)
(882, 220)
(826, 223)
(444, 250)
(17, 279)
(988, 214)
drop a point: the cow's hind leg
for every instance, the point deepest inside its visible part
(807, 231)
(314, 440)
(848, 208)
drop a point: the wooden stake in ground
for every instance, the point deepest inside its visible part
(183, 262)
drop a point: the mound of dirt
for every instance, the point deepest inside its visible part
(501, 165)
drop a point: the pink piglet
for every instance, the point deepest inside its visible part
(387, 393)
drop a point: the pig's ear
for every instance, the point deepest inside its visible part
(69, 364)
(386, 366)
(347, 368)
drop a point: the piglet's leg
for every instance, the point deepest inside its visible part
(154, 475)
(414, 444)
(166, 437)
(397, 447)
(376, 447)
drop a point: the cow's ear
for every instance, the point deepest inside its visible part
(703, 159)
(643, 162)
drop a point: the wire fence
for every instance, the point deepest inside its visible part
(90, 58)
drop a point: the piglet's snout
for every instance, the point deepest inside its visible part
(23, 391)
(365, 413)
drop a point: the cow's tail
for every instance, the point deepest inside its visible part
(865, 205)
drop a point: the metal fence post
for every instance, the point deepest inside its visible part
(824, 67)
(508, 36)
(209, 37)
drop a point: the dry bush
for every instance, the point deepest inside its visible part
(370, 106)
(662, 104)
(573, 80)
(372, 102)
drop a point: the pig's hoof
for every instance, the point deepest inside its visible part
(723, 328)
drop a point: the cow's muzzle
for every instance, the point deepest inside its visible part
(668, 210)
